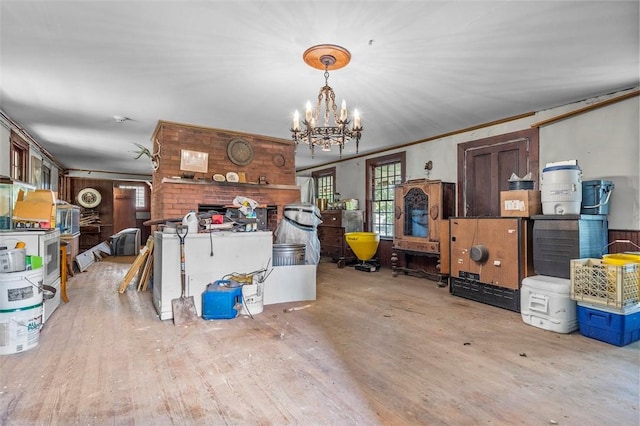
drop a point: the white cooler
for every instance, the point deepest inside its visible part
(545, 303)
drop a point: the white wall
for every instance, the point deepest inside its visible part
(607, 148)
(605, 141)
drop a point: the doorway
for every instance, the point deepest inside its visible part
(124, 209)
(485, 166)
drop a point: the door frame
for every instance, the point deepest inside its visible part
(532, 158)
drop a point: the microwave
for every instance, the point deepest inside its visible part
(45, 244)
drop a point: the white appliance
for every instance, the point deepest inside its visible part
(45, 244)
(233, 252)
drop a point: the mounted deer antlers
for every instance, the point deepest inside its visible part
(155, 157)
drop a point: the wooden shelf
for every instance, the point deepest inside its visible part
(214, 183)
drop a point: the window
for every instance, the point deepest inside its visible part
(46, 177)
(19, 152)
(325, 183)
(141, 195)
(383, 173)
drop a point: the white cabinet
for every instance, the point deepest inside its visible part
(208, 257)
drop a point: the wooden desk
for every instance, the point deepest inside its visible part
(92, 235)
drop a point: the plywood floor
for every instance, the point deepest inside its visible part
(372, 350)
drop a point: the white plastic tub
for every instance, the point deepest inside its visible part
(545, 303)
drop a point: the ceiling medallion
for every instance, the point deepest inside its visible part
(336, 133)
(240, 152)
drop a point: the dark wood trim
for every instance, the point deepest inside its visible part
(586, 109)
(533, 156)
(18, 144)
(429, 139)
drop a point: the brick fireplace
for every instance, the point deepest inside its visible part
(271, 159)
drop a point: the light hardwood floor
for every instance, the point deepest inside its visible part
(372, 349)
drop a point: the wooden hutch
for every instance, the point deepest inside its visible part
(421, 228)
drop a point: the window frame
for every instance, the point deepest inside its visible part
(18, 153)
(371, 164)
(146, 197)
(319, 174)
(46, 176)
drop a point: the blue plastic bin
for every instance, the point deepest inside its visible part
(218, 301)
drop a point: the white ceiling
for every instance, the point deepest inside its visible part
(418, 68)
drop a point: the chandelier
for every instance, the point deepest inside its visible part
(319, 128)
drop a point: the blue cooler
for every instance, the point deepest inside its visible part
(614, 326)
(595, 196)
(219, 301)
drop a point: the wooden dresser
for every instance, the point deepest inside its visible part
(336, 223)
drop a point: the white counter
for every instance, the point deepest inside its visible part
(211, 257)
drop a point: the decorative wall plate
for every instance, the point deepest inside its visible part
(89, 198)
(240, 152)
(278, 160)
(232, 177)
(218, 177)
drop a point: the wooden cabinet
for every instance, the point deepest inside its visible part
(489, 259)
(336, 223)
(422, 210)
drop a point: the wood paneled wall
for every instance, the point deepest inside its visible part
(104, 209)
(633, 236)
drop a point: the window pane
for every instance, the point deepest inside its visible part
(384, 180)
(325, 187)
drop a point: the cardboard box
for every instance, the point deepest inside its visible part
(520, 203)
(35, 211)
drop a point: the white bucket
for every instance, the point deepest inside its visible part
(20, 329)
(252, 297)
(561, 190)
(20, 289)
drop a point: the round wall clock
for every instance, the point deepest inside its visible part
(89, 198)
(240, 152)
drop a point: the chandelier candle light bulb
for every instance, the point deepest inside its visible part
(296, 121)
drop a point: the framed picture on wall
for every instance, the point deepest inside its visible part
(36, 171)
(194, 161)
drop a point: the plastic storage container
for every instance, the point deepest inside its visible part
(595, 196)
(609, 325)
(219, 301)
(606, 285)
(545, 303)
(561, 189)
